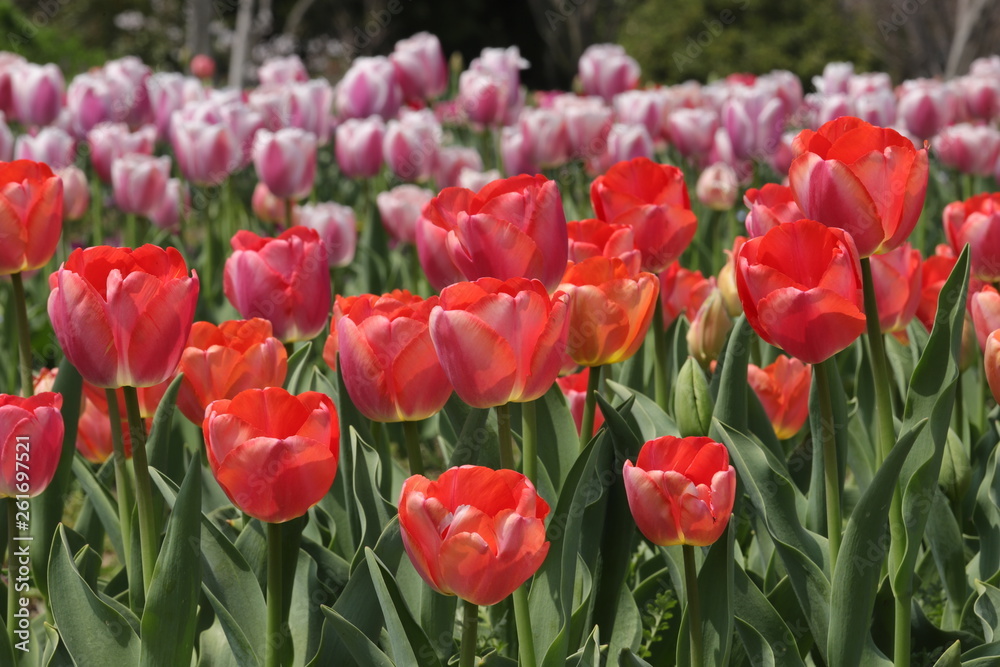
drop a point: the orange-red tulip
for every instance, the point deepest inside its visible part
(653, 200)
(976, 221)
(984, 306)
(897, 277)
(221, 361)
(274, 454)
(31, 438)
(867, 180)
(475, 532)
(574, 388)
(93, 428)
(122, 316)
(31, 215)
(683, 291)
(770, 206)
(783, 390)
(500, 341)
(610, 310)
(681, 490)
(800, 285)
(596, 238)
(991, 361)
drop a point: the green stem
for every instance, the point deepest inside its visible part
(23, 334)
(412, 434)
(660, 356)
(96, 214)
(131, 230)
(522, 618)
(470, 630)
(275, 615)
(529, 441)
(901, 645)
(590, 405)
(830, 461)
(880, 370)
(12, 534)
(506, 440)
(693, 604)
(123, 484)
(148, 531)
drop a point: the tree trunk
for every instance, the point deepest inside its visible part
(241, 43)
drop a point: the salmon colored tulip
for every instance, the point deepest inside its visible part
(512, 228)
(610, 310)
(681, 490)
(800, 285)
(867, 180)
(976, 222)
(984, 305)
(31, 215)
(991, 361)
(500, 341)
(31, 438)
(897, 279)
(274, 454)
(390, 368)
(221, 361)
(574, 388)
(474, 532)
(285, 280)
(596, 238)
(683, 291)
(770, 206)
(122, 316)
(934, 272)
(653, 200)
(783, 390)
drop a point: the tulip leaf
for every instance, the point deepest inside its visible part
(48, 506)
(948, 549)
(629, 659)
(410, 645)
(159, 445)
(952, 657)
(6, 650)
(102, 501)
(557, 429)
(93, 632)
(299, 370)
(238, 643)
(364, 651)
(170, 614)
(374, 510)
(819, 433)
(731, 400)
(859, 563)
(763, 478)
(758, 621)
(931, 393)
(987, 608)
(987, 518)
(645, 417)
(478, 442)
(589, 654)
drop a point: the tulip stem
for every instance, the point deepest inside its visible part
(590, 405)
(124, 486)
(529, 441)
(660, 358)
(96, 215)
(880, 372)
(470, 633)
(148, 532)
(23, 334)
(131, 231)
(693, 605)
(412, 434)
(506, 441)
(522, 618)
(828, 441)
(275, 617)
(12, 533)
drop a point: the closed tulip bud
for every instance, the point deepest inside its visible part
(770, 206)
(122, 316)
(718, 187)
(336, 226)
(727, 279)
(610, 310)
(286, 161)
(420, 66)
(783, 390)
(285, 280)
(76, 192)
(523, 328)
(369, 88)
(681, 490)
(574, 388)
(36, 93)
(709, 329)
(800, 285)
(31, 429)
(475, 533)
(202, 66)
(31, 215)
(221, 361)
(140, 182)
(976, 222)
(400, 208)
(206, 153)
(693, 402)
(897, 279)
(274, 454)
(358, 146)
(606, 70)
(51, 145)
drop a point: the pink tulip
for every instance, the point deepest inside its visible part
(31, 438)
(626, 142)
(336, 226)
(981, 94)
(76, 192)
(8, 64)
(477, 180)
(545, 137)
(420, 66)
(286, 161)
(166, 214)
(6, 140)
(717, 187)
(310, 108)
(515, 152)
(358, 146)
(168, 92)
(451, 161)
(51, 146)
(202, 66)
(400, 208)
(877, 107)
(140, 182)
(273, 103)
(369, 88)
(243, 122)
(411, 144)
(110, 141)
(507, 65)
(971, 149)
(272, 209)
(130, 100)
(985, 308)
(276, 71)
(641, 107)
(484, 97)
(835, 78)
(89, 99)
(926, 106)
(754, 120)
(206, 154)
(36, 93)
(588, 121)
(606, 70)
(692, 131)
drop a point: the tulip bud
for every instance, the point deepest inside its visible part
(693, 403)
(709, 329)
(718, 187)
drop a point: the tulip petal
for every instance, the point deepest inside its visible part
(460, 338)
(812, 325)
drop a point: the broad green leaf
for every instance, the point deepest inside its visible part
(6, 650)
(731, 399)
(478, 443)
(948, 549)
(374, 510)
(102, 501)
(93, 632)
(645, 417)
(987, 608)
(952, 657)
(159, 444)
(589, 654)
(987, 519)
(239, 645)
(557, 430)
(755, 612)
(299, 369)
(629, 659)
(364, 651)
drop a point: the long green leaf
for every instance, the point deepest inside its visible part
(365, 652)
(754, 611)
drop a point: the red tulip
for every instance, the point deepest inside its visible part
(122, 316)
(866, 180)
(596, 238)
(202, 66)
(976, 222)
(31, 438)
(897, 279)
(475, 532)
(610, 310)
(770, 206)
(274, 454)
(574, 388)
(31, 215)
(783, 390)
(93, 428)
(390, 368)
(683, 291)
(521, 327)
(512, 228)
(285, 280)
(652, 199)
(934, 272)
(800, 285)
(991, 361)
(221, 361)
(681, 490)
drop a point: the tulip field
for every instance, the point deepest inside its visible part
(422, 368)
